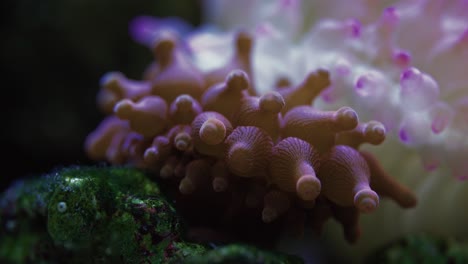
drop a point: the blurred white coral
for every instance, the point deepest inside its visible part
(404, 65)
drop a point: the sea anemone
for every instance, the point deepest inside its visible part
(401, 63)
(221, 144)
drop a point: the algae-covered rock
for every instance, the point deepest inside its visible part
(104, 215)
(238, 253)
(422, 249)
(87, 214)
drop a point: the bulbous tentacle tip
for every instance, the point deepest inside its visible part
(182, 141)
(272, 102)
(366, 201)
(401, 58)
(167, 170)
(269, 214)
(408, 200)
(318, 76)
(239, 159)
(111, 81)
(282, 82)
(308, 187)
(164, 43)
(186, 186)
(124, 109)
(237, 80)
(184, 102)
(151, 155)
(213, 131)
(375, 132)
(220, 184)
(346, 118)
(106, 101)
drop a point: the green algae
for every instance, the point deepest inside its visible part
(104, 215)
(86, 213)
(240, 253)
(422, 248)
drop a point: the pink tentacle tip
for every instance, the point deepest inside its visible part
(439, 124)
(402, 59)
(212, 131)
(364, 85)
(403, 134)
(212, 135)
(390, 16)
(308, 187)
(353, 28)
(347, 118)
(431, 165)
(329, 95)
(237, 80)
(410, 74)
(463, 177)
(366, 200)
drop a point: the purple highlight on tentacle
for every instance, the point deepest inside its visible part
(462, 177)
(462, 41)
(369, 85)
(342, 68)
(431, 165)
(402, 58)
(409, 74)
(438, 125)
(362, 86)
(403, 134)
(390, 15)
(441, 116)
(288, 3)
(144, 29)
(329, 95)
(355, 27)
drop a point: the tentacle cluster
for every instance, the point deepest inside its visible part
(212, 134)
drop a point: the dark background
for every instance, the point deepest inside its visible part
(53, 53)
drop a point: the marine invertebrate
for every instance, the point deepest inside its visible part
(381, 59)
(293, 166)
(396, 62)
(346, 179)
(228, 148)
